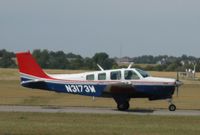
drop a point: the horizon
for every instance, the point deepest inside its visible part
(99, 52)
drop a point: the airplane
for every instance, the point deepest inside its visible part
(119, 84)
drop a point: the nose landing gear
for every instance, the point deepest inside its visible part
(171, 107)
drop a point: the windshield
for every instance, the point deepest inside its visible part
(143, 73)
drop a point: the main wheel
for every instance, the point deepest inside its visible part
(123, 106)
(172, 107)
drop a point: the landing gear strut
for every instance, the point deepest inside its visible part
(171, 107)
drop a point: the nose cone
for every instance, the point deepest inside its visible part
(178, 83)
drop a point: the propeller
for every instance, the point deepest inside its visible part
(178, 84)
(177, 80)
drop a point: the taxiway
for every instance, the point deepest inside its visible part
(93, 110)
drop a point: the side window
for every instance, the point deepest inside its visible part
(130, 75)
(102, 76)
(90, 77)
(115, 75)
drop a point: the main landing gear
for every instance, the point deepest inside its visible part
(122, 102)
(171, 107)
(123, 106)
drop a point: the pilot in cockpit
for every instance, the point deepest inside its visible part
(129, 75)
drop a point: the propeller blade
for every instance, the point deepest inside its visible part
(177, 76)
(178, 84)
(177, 88)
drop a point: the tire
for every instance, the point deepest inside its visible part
(172, 107)
(123, 106)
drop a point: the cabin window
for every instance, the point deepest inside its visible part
(130, 75)
(115, 75)
(102, 76)
(90, 77)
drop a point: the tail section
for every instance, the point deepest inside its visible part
(28, 65)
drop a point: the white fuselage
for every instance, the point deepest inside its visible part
(106, 75)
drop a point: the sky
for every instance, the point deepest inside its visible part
(117, 27)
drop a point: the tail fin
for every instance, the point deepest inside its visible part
(28, 65)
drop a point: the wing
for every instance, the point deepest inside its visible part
(120, 88)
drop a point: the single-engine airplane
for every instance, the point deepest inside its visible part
(120, 84)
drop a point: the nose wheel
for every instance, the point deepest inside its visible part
(171, 107)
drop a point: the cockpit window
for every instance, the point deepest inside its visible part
(143, 73)
(130, 75)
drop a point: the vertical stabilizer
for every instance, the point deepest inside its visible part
(28, 65)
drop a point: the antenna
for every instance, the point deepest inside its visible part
(130, 65)
(100, 67)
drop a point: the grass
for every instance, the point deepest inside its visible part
(18, 123)
(97, 124)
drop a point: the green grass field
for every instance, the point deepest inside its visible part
(96, 124)
(13, 123)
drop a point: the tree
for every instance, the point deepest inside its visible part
(6, 60)
(88, 63)
(77, 63)
(58, 60)
(103, 60)
(71, 55)
(42, 57)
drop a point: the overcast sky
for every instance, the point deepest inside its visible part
(84, 27)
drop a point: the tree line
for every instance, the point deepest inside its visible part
(168, 63)
(61, 60)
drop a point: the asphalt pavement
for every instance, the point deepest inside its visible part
(93, 110)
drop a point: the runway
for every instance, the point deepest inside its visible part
(93, 110)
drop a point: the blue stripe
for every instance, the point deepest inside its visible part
(81, 89)
(156, 91)
(149, 91)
